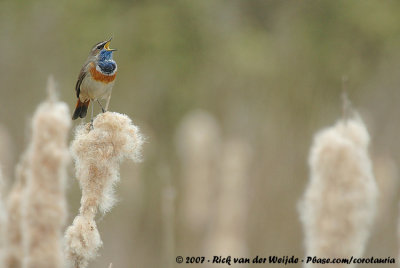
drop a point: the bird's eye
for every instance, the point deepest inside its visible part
(99, 47)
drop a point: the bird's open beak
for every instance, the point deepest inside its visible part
(107, 46)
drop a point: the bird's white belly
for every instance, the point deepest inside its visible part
(92, 89)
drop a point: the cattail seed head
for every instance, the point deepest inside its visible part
(98, 153)
(338, 207)
(43, 207)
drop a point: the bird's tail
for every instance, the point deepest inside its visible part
(80, 109)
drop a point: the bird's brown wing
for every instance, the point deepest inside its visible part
(81, 76)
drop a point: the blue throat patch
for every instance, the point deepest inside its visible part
(106, 63)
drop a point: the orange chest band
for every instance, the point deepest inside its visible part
(98, 76)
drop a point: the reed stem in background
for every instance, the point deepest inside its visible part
(168, 217)
(198, 145)
(227, 234)
(3, 220)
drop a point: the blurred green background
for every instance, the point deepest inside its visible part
(268, 72)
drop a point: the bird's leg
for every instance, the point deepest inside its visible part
(108, 101)
(91, 118)
(102, 109)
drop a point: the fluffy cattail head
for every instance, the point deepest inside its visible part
(83, 240)
(97, 153)
(43, 210)
(14, 250)
(338, 207)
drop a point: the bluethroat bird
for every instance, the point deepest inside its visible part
(96, 79)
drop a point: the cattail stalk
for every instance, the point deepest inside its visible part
(44, 202)
(7, 154)
(228, 233)
(339, 204)
(14, 250)
(3, 219)
(97, 154)
(168, 212)
(198, 144)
